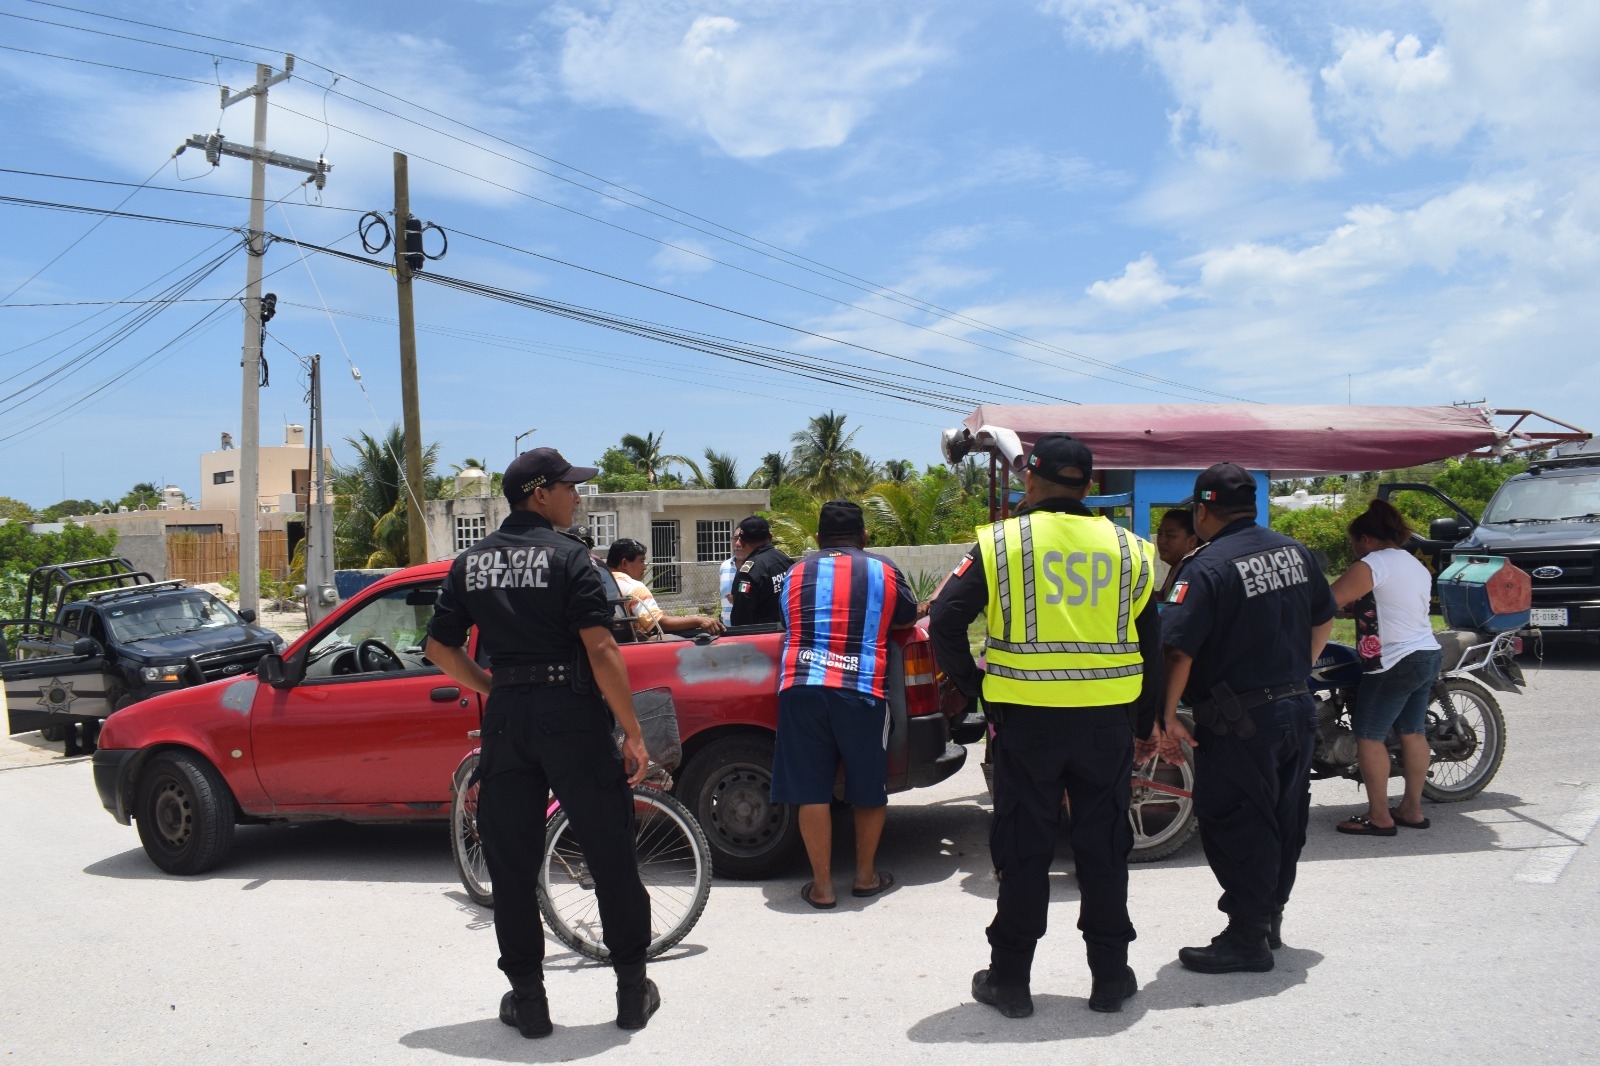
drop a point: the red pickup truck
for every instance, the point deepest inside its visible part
(360, 727)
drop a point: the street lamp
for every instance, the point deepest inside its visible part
(516, 445)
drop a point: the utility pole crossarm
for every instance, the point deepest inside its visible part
(213, 147)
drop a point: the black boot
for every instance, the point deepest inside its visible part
(1241, 946)
(525, 1009)
(1275, 934)
(636, 1002)
(1108, 992)
(1014, 1001)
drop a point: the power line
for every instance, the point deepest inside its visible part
(82, 209)
(590, 313)
(97, 63)
(720, 262)
(745, 241)
(118, 303)
(803, 366)
(56, 258)
(168, 188)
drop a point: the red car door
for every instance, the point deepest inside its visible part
(372, 724)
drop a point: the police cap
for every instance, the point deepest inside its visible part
(1225, 485)
(1055, 453)
(755, 530)
(540, 468)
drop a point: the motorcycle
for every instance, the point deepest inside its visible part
(1466, 731)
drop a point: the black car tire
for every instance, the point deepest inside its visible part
(185, 813)
(54, 733)
(727, 787)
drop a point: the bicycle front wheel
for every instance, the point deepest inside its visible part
(674, 864)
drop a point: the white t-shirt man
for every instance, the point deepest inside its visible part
(725, 583)
(1402, 588)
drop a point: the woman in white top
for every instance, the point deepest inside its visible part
(1388, 589)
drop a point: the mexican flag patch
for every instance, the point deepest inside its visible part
(1179, 591)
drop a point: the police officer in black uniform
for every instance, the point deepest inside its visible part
(758, 583)
(544, 622)
(1242, 625)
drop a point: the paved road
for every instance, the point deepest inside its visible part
(1473, 941)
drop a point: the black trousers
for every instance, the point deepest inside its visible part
(1253, 798)
(1088, 752)
(542, 740)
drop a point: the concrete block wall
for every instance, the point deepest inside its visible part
(935, 560)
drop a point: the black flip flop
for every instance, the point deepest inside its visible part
(1364, 828)
(885, 883)
(1422, 824)
(805, 894)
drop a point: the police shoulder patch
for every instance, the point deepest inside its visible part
(961, 567)
(749, 564)
(1179, 591)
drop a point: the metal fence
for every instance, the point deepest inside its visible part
(682, 588)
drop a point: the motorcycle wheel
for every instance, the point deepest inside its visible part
(1467, 733)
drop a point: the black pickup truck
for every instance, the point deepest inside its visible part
(1546, 521)
(98, 635)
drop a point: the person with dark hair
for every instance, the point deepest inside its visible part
(540, 608)
(1175, 542)
(626, 561)
(758, 585)
(839, 604)
(1073, 676)
(1388, 590)
(1242, 625)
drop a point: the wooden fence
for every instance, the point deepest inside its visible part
(211, 557)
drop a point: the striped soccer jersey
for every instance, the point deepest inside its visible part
(838, 606)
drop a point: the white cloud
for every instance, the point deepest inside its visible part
(1523, 70)
(1407, 97)
(776, 79)
(1140, 286)
(1243, 104)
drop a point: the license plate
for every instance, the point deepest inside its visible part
(1549, 616)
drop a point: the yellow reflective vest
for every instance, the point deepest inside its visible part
(1064, 591)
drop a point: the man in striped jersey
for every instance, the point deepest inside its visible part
(839, 604)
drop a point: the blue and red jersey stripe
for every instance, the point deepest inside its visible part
(838, 607)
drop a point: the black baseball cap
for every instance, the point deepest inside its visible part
(1226, 485)
(1054, 453)
(755, 528)
(540, 468)
(840, 518)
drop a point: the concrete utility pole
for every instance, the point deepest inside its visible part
(250, 397)
(407, 260)
(320, 594)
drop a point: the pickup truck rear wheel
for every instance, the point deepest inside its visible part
(728, 788)
(185, 813)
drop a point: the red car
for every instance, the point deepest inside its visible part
(357, 725)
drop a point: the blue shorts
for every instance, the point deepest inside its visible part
(1397, 697)
(818, 728)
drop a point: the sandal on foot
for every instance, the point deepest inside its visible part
(1360, 827)
(1421, 823)
(885, 883)
(805, 894)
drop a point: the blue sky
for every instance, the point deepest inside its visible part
(1118, 202)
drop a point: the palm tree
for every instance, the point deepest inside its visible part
(914, 511)
(824, 459)
(775, 470)
(720, 472)
(974, 478)
(899, 470)
(370, 514)
(646, 454)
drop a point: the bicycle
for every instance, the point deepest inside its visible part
(674, 863)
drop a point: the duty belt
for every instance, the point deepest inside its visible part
(541, 675)
(1256, 698)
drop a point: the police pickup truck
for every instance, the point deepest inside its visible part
(97, 635)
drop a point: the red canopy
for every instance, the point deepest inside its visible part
(1287, 441)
